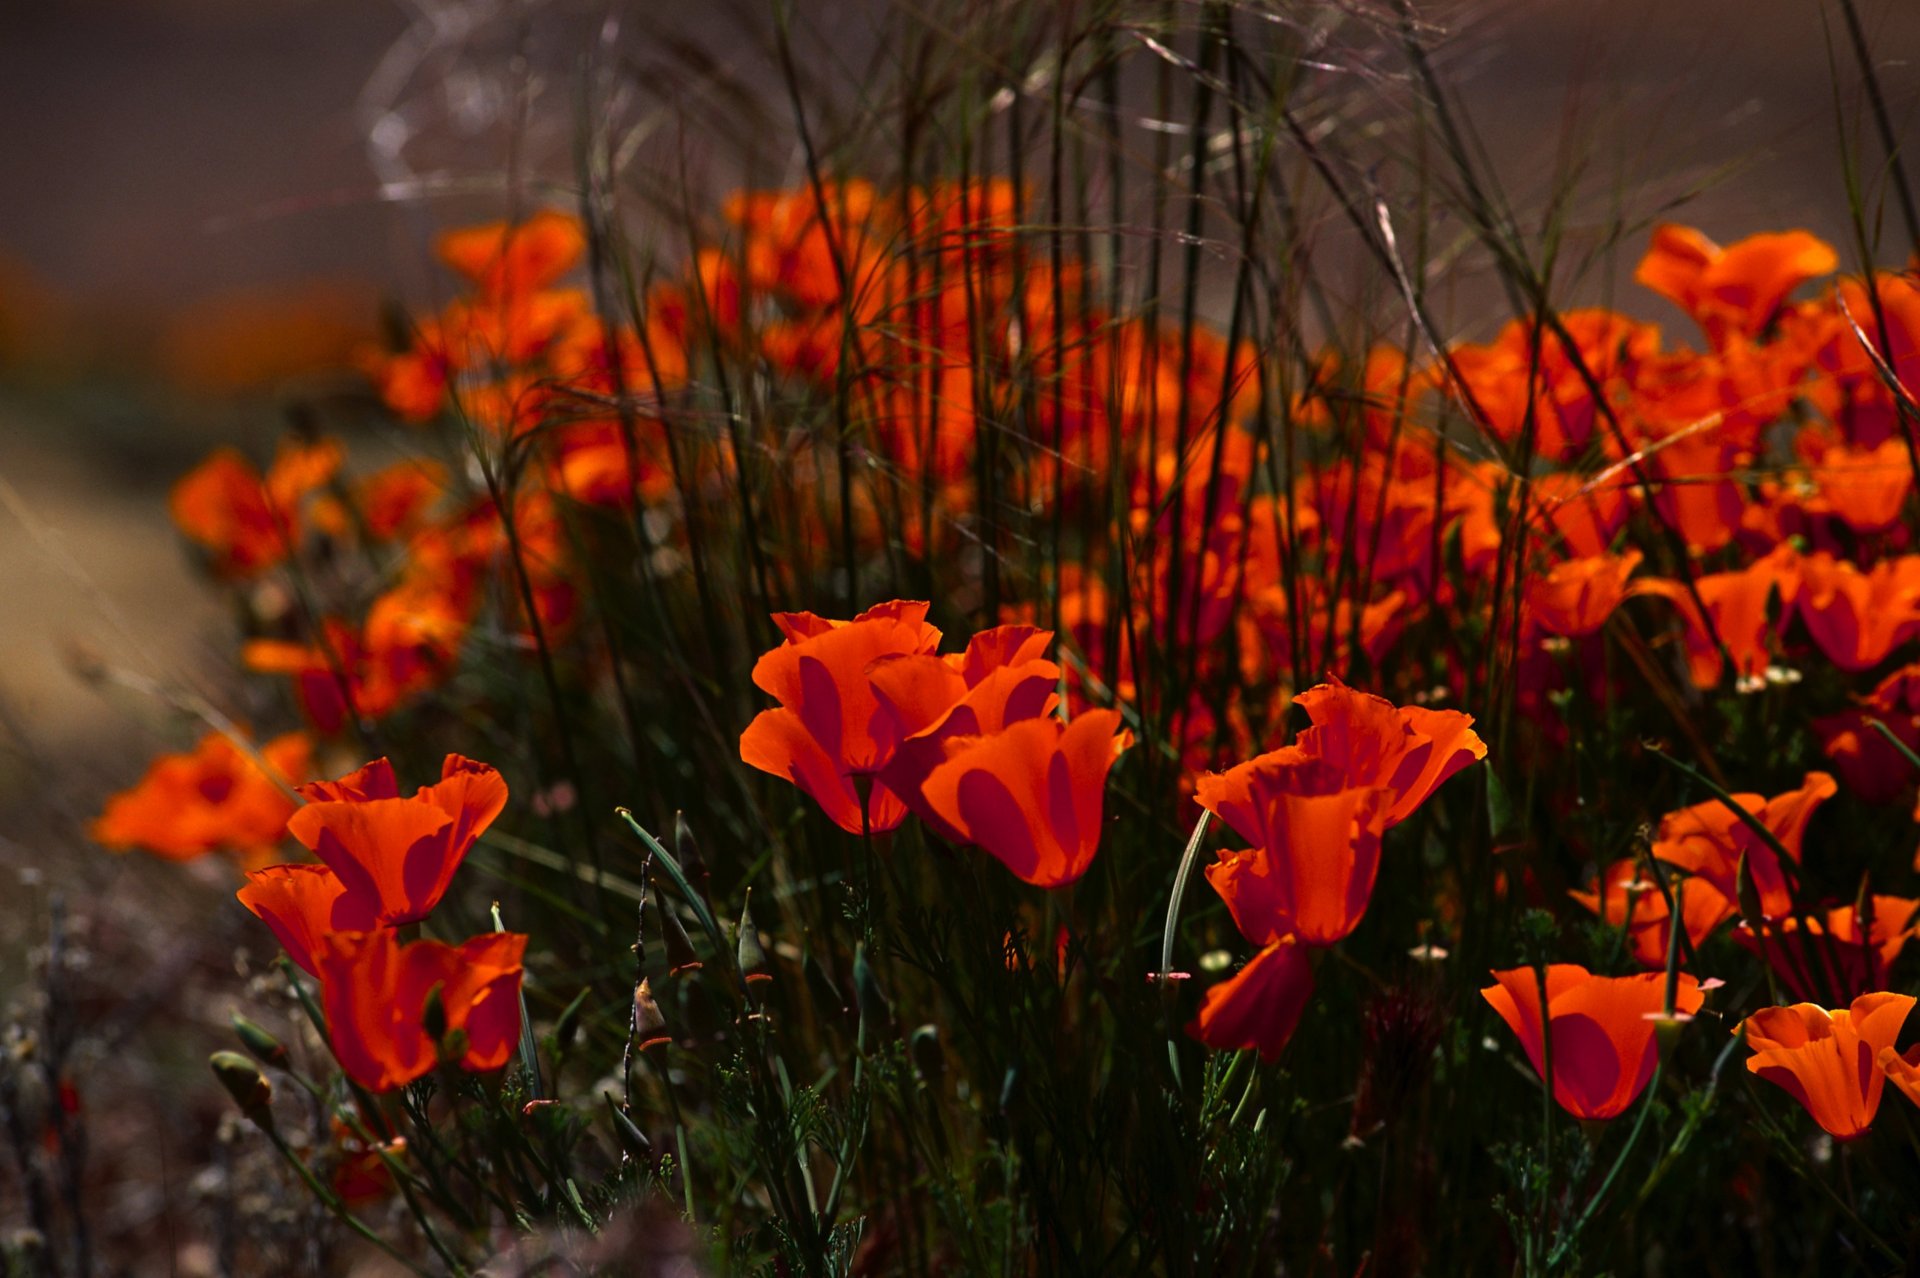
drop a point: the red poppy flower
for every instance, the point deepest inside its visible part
(1032, 794)
(1411, 750)
(1869, 764)
(399, 853)
(1316, 846)
(1708, 840)
(188, 805)
(510, 258)
(1737, 604)
(248, 521)
(304, 905)
(830, 727)
(1001, 679)
(1734, 290)
(1625, 897)
(1856, 617)
(1818, 957)
(1259, 1006)
(1829, 1060)
(1576, 596)
(375, 992)
(1602, 1028)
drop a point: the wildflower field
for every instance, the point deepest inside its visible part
(1076, 641)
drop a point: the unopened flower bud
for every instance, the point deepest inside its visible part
(265, 1048)
(246, 1084)
(649, 1026)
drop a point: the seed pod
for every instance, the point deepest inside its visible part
(266, 1049)
(246, 1084)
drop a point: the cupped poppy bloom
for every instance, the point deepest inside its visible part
(1872, 766)
(1827, 956)
(399, 854)
(1856, 617)
(1316, 846)
(505, 259)
(1001, 679)
(1575, 597)
(1732, 291)
(1410, 750)
(1738, 607)
(1032, 795)
(248, 521)
(1602, 1030)
(1624, 896)
(1829, 1060)
(1864, 488)
(304, 905)
(212, 797)
(830, 729)
(1709, 840)
(376, 993)
(1259, 1006)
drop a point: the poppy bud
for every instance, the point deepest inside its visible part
(687, 849)
(266, 1049)
(649, 1026)
(876, 1013)
(681, 956)
(1009, 1091)
(928, 1058)
(246, 1084)
(748, 954)
(632, 1140)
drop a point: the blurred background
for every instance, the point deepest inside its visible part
(206, 203)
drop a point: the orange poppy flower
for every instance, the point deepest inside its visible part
(1828, 957)
(504, 259)
(937, 701)
(1867, 761)
(829, 727)
(1733, 290)
(1708, 840)
(1602, 1028)
(212, 797)
(1411, 750)
(398, 854)
(375, 993)
(304, 905)
(1316, 846)
(1576, 596)
(1032, 794)
(1624, 897)
(1856, 617)
(1737, 604)
(248, 521)
(1864, 488)
(1829, 1060)
(1259, 1006)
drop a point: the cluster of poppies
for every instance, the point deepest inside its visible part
(875, 723)
(1313, 813)
(1733, 512)
(395, 1009)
